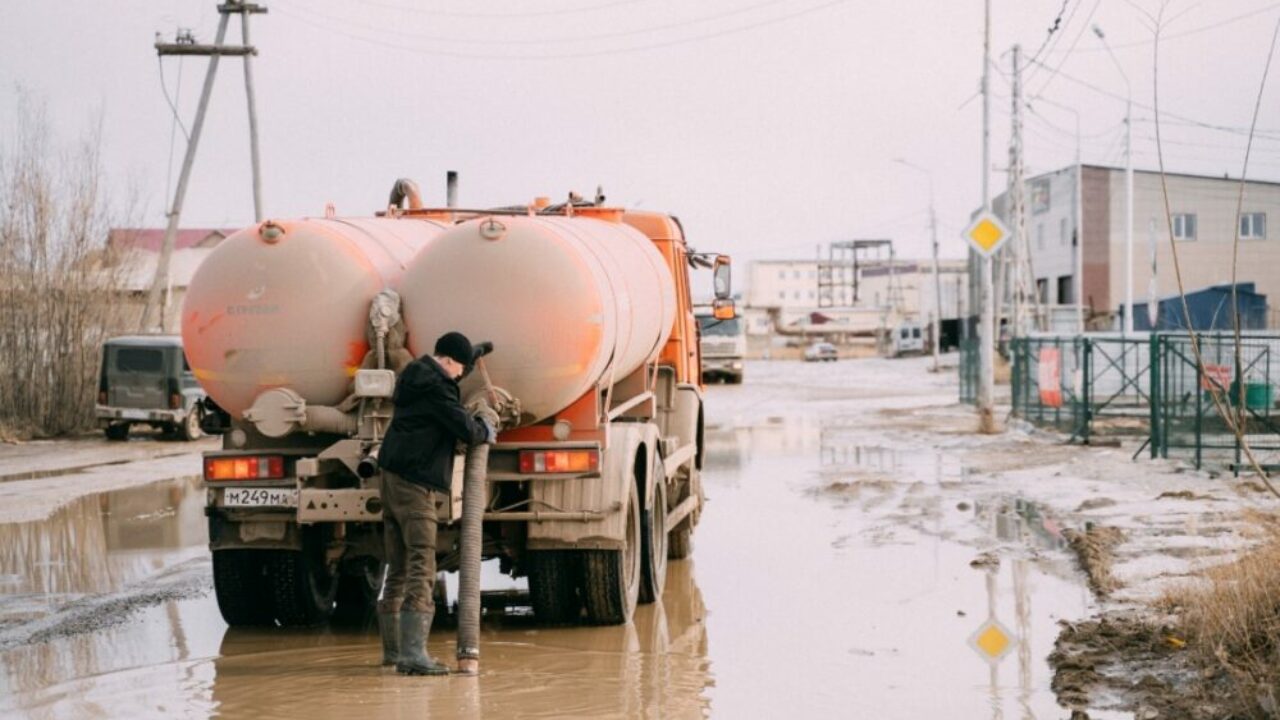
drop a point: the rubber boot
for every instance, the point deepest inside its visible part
(414, 660)
(389, 627)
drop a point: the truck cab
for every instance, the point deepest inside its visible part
(724, 346)
(145, 380)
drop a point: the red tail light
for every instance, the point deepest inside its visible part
(559, 461)
(175, 401)
(249, 467)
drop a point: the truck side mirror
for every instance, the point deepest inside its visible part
(721, 279)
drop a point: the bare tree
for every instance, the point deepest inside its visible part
(59, 284)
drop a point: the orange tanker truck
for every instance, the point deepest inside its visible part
(296, 330)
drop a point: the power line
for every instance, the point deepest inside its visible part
(468, 40)
(1192, 31)
(1054, 27)
(1079, 34)
(568, 55)
(500, 15)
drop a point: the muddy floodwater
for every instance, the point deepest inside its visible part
(851, 562)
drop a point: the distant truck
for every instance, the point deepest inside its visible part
(906, 339)
(297, 328)
(145, 380)
(724, 346)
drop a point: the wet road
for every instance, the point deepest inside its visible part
(855, 543)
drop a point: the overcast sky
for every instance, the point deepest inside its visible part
(768, 126)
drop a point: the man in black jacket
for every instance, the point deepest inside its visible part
(417, 461)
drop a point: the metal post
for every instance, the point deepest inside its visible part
(986, 330)
(1078, 295)
(175, 212)
(253, 118)
(1018, 210)
(937, 283)
(1128, 185)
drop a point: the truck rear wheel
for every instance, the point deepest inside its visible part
(611, 578)
(653, 527)
(553, 586)
(357, 595)
(189, 428)
(241, 586)
(118, 431)
(303, 587)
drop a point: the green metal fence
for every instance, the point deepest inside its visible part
(1084, 385)
(1151, 385)
(1186, 422)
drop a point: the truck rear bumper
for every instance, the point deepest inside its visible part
(107, 415)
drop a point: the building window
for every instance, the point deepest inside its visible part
(782, 295)
(1040, 236)
(1253, 226)
(782, 274)
(1184, 226)
(810, 294)
(1066, 291)
(795, 274)
(1042, 290)
(796, 294)
(1062, 232)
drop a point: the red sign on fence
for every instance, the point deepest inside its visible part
(1049, 375)
(1219, 375)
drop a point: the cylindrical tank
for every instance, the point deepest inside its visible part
(567, 301)
(285, 304)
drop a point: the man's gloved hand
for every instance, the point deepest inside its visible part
(490, 432)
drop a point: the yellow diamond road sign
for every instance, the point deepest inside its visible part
(986, 233)
(991, 640)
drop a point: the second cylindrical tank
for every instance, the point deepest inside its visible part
(568, 302)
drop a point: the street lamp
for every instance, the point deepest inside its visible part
(937, 281)
(1128, 185)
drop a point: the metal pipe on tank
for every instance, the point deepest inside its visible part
(451, 188)
(405, 189)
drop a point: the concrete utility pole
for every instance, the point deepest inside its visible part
(1018, 210)
(986, 326)
(1128, 184)
(214, 52)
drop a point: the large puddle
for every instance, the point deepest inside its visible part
(838, 572)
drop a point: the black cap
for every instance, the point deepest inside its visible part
(456, 346)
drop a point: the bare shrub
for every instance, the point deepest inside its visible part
(58, 284)
(1231, 618)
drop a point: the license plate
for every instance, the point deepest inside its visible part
(260, 497)
(134, 414)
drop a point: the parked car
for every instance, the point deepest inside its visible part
(821, 352)
(145, 380)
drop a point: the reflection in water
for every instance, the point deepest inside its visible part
(655, 667)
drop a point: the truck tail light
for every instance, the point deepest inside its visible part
(248, 467)
(175, 401)
(559, 461)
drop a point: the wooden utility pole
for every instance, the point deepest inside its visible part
(156, 297)
(986, 299)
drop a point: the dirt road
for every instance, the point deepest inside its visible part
(862, 555)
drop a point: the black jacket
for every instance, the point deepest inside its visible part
(427, 423)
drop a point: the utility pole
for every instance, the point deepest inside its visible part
(986, 327)
(1128, 185)
(937, 282)
(214, 52)
(1018, 209)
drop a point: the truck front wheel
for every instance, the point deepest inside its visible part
(611, 578)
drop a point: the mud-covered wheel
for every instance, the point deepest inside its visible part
(553, 586)
(241, 586)
(653, 530)
(611, 578)
(117, 432)
(189, 429)
(302, 586)
(357, 595)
